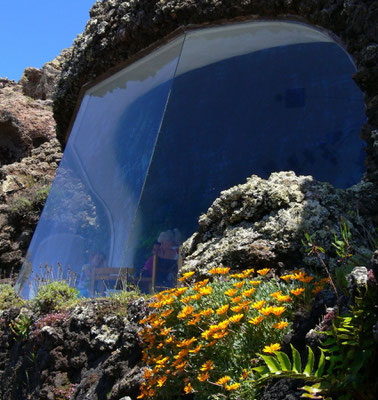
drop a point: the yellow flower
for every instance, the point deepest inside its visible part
(196, 350)
(284, 299)
(223, 380)
(258, 304)
(263, 271)
(207, 366)
(201, 284)
(188, 389)
(234, 386)
(278, 311)
(256, 320)
(161, 381)
(237, 308)
(249, 292)
(239, 284)
(205, 290)
(203, 377)
(236, 318)
(220, 335)
(187, 342)
(196, 296)
(167, 301)
(187, 275)
(236, 299)
(169, 340)
(187, 310)
(276, 294)
(180, 291)
(222, 325)
(297, 292)
(230, 292)
(166, 314)
(287, 277)
(244, 374)
(255, 283)
(194, 320)
(266, 311)
(207, 312)
(281, 325)
(220, 271)
(165, 331)
(272, 348)
(223, 309)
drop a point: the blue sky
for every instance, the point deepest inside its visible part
(33, 32)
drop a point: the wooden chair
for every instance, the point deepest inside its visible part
(119, 275)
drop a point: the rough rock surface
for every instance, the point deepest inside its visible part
(24, 187)
(119, 29)
(40, 83)
(88, 353)
(24, 123)
(262, 223)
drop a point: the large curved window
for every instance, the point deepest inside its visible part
(153, 145)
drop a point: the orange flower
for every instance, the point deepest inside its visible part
(230, 292)
(236, 299)
(234, 386)
(186, 275)
(249, 292)
(281, 325)
(272, 348)
(287, 277)
(317, 289)
(161, 381)
(186, 299)
(239, 284)
(147, 373)
(205, 290)
(166, 314)
(196, 350)
(266, 311)
(187, 310)
(188, 388)
(203, 377)
(169, 340)
(244, 374)
(220, 335)
(194, 320)
(276, 294)
(165, 331)
(207, 312)
(236, 318)
(297, 292)
(255, 283)
(258, 304)
(187, 342)
(220, 271)
(223, 309)
(180, 291)
(278, 311)
(201, 284)
(307, 279)
(223, 380)
(256, 320)
(196, 296)
(207, 366)
(211, 343)
(237, 308)
(263, 271)
(284, 299)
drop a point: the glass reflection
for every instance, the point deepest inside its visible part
(153, 146)
(94, 197)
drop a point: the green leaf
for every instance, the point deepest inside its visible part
(321, 365)
(271, 363)
(297, 363)
(310, 362)
(284, 361)
(262, 370)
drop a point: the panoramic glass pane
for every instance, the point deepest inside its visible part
(86, 220)
(249, 98)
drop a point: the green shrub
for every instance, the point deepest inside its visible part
(8, 297)
(56, 296)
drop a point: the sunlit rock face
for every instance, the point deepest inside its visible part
(154, 144)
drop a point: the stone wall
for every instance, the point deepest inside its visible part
(118, 29)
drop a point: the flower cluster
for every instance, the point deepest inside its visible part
(204, 336)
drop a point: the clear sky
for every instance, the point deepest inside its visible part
(33, 32)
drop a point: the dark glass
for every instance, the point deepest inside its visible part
(154, 145)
